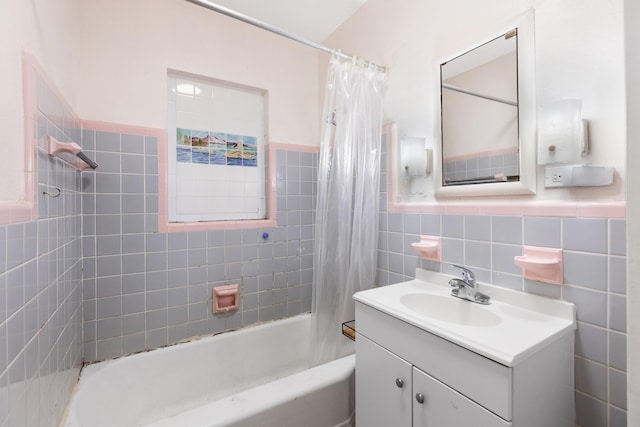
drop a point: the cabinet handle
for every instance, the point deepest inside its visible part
(399, 382)
(420, 398)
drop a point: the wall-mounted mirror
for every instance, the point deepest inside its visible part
(487, 116)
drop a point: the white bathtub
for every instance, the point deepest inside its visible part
(256, 376)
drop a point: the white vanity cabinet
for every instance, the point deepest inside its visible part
(408, 375)
(395, 393)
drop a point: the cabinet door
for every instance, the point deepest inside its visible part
(443, 406)
(383, 387)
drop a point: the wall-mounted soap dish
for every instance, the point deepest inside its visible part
(226, 298)
(81, 162)
(541, 264)
(429, 247)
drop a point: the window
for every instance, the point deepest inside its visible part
(216, 156)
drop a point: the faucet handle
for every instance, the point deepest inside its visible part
(467, 274)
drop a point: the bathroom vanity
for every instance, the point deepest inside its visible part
(426, 358)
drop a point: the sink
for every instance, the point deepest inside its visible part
(450, 309)
(514, 326)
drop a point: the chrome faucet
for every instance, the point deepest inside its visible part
(467, 288)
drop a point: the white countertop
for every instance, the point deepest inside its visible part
(521, 323)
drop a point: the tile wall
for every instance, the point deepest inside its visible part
(40, 281)
(144, 289)
(594, 279)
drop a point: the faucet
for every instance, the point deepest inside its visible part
(467, 288)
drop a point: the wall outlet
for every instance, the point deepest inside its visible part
(577, 176)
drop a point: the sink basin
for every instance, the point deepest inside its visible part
(450, 309)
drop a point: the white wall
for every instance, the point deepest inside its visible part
(49, 31)
(127, 47)
(579, 54)
(632, 33)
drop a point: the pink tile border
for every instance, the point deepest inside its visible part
(12, 212)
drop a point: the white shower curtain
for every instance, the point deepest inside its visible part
(346, 230)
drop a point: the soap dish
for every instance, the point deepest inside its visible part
(349, 329)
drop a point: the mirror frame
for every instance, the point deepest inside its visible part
(527, 126)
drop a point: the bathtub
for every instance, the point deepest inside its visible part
(257, 376)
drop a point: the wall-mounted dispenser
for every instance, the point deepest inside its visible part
(415, 159)
(563, 135)
(563, 142)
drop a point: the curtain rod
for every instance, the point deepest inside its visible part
(249, 20)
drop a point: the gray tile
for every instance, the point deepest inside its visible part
(178, 241)
(477, 227)
(591, 342)
(506, 229)
(591, 306)
(545, 289)
(151, 145)
(133, 263)
(132, 163)
(585, 270)
(109, 307)
(477, 254)
(617, 237)
(542, 231)
(156, 261)
(108, 286)
(133, 243)
(133, 324)
(502, 258)
(156, 300)
(132, 143)
(108, 245)
(108, 265)
(618, 312)
(156, 242)
(177, 297)
(156, 280)
(133, 303)
(156, 319)
(617, 417)
(618, 275)
(133, 283)
(618, 350)
(157, 338)
(453, 251)
(108, 141)
(132, 183)
(453, 226)
(109, 348)
(109, 328)
(133, 223)
(107, 224)
(585, 234)
(396, 263)
(107, 183)
(411, 223)
(430, 224)
(109, 162)
(133, 343)
(395, 222)
(618, 384)
(591, 378)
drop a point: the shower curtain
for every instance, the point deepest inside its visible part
(346, 229)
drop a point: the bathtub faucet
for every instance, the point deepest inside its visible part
(467, 287)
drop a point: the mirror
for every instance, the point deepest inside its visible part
(487, 116)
